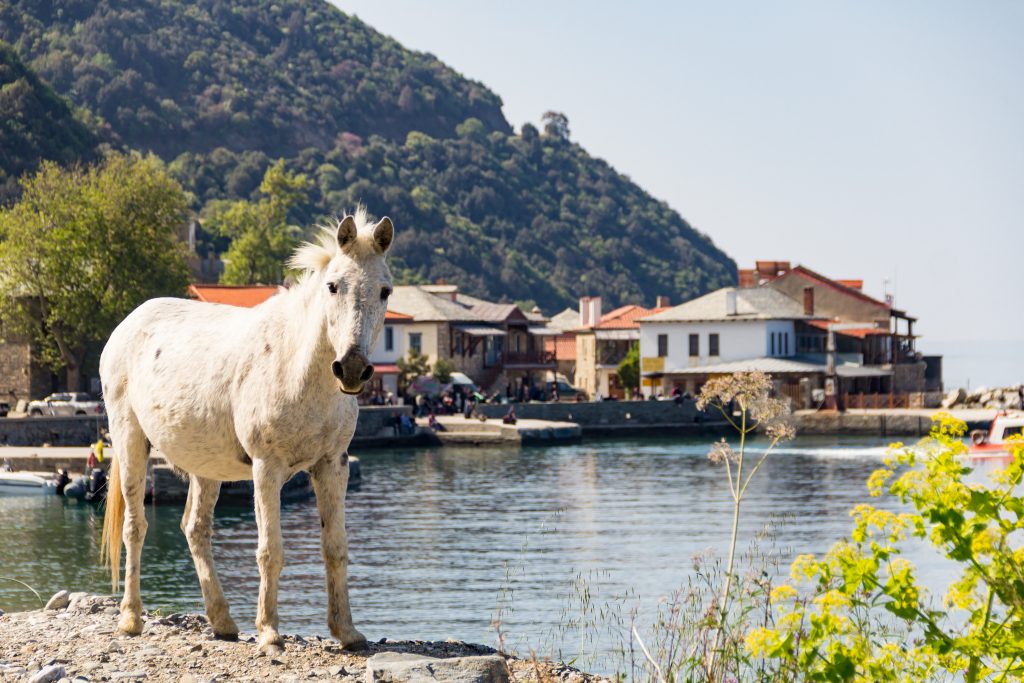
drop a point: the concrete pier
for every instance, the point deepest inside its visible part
(458, 431)
(884, 422)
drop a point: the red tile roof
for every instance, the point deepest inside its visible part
(395, 316)
(247, 296)
(837, 285)
(626, 317)
(859, 332)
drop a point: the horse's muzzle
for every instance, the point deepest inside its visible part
(353, 370)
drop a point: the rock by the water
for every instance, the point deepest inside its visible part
(397, 667)
(60, 600)
(954, 398)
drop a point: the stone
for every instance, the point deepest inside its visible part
(60, 600)
(133, 675)
(954, 398)
(114, 646)
(78, 601)
(395, 667)
(48, 674)
(336, 670)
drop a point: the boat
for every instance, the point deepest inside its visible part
(25, 483)
(991, 444)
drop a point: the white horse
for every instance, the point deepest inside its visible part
(228, 393)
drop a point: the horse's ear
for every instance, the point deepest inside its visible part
(383, 234)
(346, 232)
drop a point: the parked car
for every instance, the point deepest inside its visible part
(566, 392)
(69, 403)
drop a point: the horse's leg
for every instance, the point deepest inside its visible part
(133, 451)
(197, 523)
(330, 479)
(267, 483)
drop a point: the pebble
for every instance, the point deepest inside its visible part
(48, 674)
(60, 600)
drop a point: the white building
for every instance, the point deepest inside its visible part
(725, 331)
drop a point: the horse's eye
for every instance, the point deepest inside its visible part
(385, 292)
(332, 287)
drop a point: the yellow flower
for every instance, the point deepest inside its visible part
(783, 592)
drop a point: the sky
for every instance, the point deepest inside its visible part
(866, 140)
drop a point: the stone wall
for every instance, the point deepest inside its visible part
(80, 430)
(609, 416)
(20, 378)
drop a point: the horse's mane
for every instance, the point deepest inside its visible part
(312, 257)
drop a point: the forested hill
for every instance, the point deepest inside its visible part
(221, 89)
(246, 74)
(35, 124)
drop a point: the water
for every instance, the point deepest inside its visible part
(435, 533)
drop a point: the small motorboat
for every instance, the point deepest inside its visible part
(26, 483)
(991, 444)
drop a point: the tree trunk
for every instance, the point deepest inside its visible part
(74, 371)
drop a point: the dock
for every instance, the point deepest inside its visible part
(459, 431)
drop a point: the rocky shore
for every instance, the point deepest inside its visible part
(1000, 398)
(74, 639)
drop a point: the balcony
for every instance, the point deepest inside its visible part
(529, 359)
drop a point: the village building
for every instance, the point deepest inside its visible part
(602, 342)
(779, 321)
(498, 346)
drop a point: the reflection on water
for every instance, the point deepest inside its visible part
(432, 532)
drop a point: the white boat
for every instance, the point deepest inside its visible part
(992, 444)
(25, 483)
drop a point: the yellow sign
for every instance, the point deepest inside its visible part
(652, 364)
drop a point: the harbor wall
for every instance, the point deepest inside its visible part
(893, 422)
(613, 417)
(375, 422)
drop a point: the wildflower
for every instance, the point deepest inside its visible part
(721, 452)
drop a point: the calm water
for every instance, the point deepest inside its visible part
(435, 535)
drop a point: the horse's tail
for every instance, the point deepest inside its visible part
(113, 525)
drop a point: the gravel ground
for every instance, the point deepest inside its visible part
(79, 643)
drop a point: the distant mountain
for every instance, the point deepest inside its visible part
(35, 124)
(220, 89)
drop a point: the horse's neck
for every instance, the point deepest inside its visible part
(307, 350)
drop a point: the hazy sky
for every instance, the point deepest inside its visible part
(865, 140)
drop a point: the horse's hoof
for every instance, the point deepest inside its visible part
(353, 642)
(225, 630)
(271, 645)
(129, 624)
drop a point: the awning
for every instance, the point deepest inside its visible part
(480, 330)
(537, 331)
(385, 369)
(618, 335)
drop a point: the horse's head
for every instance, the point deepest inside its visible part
(357, 284)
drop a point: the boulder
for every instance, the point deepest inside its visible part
(396, 667)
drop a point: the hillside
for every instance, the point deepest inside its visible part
(221, 89)
(35, 124)
(247, 74)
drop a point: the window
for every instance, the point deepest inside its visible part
(713, 344)
(662, 345)
(389, 338)
(416, 341)
(773, 343)
(694, 345)
(785, 338)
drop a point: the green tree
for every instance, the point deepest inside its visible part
(629, 369)
(261, 238)
(443, 370)
(85, 246)
(414, 365)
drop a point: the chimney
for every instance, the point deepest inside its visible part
(584, 311)
(595, 310)
(808, 300)
(730, 302)
(661, 302)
